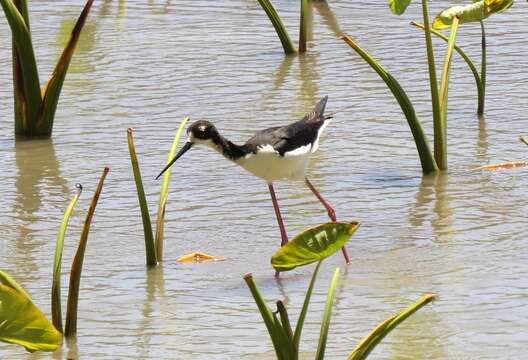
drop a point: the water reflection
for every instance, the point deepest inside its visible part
(433, 191)
(155, 289)
(482, 141)
(37, 166)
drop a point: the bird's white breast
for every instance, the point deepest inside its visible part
(269, 165)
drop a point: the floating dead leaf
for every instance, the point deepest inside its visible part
(198, 257)
(504, 165)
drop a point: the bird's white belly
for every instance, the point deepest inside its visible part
(267, 164)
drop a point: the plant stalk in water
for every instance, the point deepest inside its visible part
(153, 243)
(56, 309)
(280, 28)
(76, 269)
(34, 107)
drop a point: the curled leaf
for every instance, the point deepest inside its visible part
(197, 257)
(475, 12)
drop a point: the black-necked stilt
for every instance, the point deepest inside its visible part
(275, 153)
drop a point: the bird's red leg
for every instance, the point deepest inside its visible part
(331, 212)
(284, 237)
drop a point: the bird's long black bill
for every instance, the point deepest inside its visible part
(182, 151)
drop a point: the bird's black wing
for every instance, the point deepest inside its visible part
(292, 136)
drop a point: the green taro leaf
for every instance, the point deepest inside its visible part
(313, 245)
(398, 6)
(21, 322)
(475, 12)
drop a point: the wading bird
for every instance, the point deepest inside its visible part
(275, 153)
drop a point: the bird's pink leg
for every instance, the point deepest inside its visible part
(284, 237)
(331, 212)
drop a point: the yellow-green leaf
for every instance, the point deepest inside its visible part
(374, 338)
(475, 12)
(22, 322)
(398, 6)
(313, 244)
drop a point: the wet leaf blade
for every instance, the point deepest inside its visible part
(51, 91)
(278, 335)
(56, 308)
(22, 322)
(398, 7)
(77, 265)
(277, 23)
(378, 334)
(26, 79)
(304, 310)
(313, 245)
(325, 325)
(145, 215)
(422, 146)
(164, 192)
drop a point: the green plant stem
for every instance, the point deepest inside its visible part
(304, 310)
(283, 347)
(439, 141)
(26, 79)
(444, 85)
(76, 269)
(56, 309)
(285, 320)
(277, 23)
(427, 159)
(325, 325)
(145, 216)
(481, 103)
(469, 62)
(164, 193)
(303, 31)
(374, 338)
(51, 91)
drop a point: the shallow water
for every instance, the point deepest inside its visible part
(146, 65)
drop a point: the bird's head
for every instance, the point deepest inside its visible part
(200, 132)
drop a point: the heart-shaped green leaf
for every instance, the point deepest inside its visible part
(475, 12)
(398, 6)
(22, 322)
(313, 245)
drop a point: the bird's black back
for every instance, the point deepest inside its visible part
(292, 136)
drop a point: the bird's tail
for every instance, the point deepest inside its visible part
(320, 107)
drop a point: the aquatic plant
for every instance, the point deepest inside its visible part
(439, 94)
(153, 243)
(282, 32)
(476, 12)
(523, 140)
(35, 107)
(312, 245)
(76, 269)
(22, 322)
